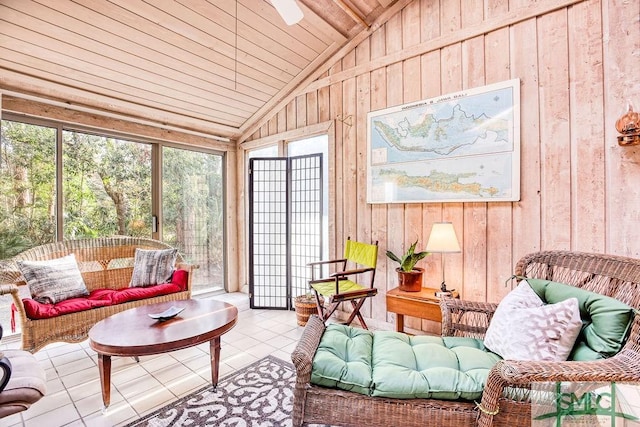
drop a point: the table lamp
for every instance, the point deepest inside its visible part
(443, 240)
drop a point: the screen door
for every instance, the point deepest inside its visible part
(285, 227)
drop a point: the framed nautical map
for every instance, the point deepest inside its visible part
(460, 147)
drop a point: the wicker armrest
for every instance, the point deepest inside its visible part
(506, 373)
(302, 355)
(465, 318)
(186, 266)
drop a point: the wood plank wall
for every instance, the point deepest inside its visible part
(579, 190)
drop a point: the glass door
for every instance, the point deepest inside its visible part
(193, 212)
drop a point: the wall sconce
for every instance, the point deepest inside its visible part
(629, 127)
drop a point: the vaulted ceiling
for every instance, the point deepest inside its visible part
(210, 66)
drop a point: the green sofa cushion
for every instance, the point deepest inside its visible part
(396, 365)
(343, 359)
(407, 367)
(606, 321)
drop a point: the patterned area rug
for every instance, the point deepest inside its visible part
(259, 395)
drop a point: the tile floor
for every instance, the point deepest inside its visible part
(74, 397)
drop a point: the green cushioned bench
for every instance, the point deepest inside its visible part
(396, 365)
(353, 377)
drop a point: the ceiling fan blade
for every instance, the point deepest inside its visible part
(288, 10)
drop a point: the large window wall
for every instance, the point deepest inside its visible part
(109, 185)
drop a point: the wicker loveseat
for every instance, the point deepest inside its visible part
(614, 276)
(105, 264)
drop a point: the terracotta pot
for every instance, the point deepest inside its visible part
(410, 281)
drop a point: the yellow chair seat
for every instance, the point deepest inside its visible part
(328, 289)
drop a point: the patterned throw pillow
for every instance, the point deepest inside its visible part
(523, 328)
(54, 280)
(153, 267)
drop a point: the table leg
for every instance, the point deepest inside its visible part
(214, 352)
(104, 365)
(399, 322)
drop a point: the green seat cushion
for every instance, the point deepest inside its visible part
(343, 359)
(396, 365)
(407, 367)
(606, 321)
(328, 289)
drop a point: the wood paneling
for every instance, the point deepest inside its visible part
(574, 62)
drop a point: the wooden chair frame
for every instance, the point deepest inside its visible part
(356, 297)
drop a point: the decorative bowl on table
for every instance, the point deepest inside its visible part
(169, 313)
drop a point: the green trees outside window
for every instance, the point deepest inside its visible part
(27, 187)
(106, 187)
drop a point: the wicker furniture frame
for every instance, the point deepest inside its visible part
(105, 263)
(614, 276)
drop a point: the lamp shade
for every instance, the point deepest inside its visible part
(288, 10)
(442, 238)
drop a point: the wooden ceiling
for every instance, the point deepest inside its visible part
(214, 67)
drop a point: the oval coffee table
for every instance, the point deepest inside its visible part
(133, 333)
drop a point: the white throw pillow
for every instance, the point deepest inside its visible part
(54, 280)
(153, 267)
(523, 328)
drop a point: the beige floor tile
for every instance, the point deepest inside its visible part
(261, 350)
(186, 384)
(139, 387)
(74, 395)
(169, 373)
(53, 402)
(88, 388)
(63, 416)
(152, 400)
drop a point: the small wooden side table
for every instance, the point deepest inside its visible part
(424, 305)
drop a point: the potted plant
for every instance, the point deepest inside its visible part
(409, 276)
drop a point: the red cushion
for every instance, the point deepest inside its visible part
(37, 310)
(104, 297)
(180, 278)
(133, 294)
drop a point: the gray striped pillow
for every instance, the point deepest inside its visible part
(153, 267)
(54, 280)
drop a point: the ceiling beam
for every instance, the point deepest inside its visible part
(312, 72)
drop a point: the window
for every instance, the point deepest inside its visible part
(108, 189)
(193, 212)
(106, 186)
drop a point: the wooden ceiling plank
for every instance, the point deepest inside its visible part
(179, 71)
(287, 36)
(283, 51)
(222, 43)
(221, 111)
(320, 26)
(274, 66)
(126, 23)
(99, 104)
(328, 12)
(61, 52)
(259, 80)
(315, 70)
(72, 77)
(220, 16)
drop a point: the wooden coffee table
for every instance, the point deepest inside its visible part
(133, 333)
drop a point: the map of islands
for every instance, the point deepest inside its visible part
(459, 147)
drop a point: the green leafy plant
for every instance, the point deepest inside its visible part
(409, 259)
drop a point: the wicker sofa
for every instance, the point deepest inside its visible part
(614, 276)
(105, 264)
